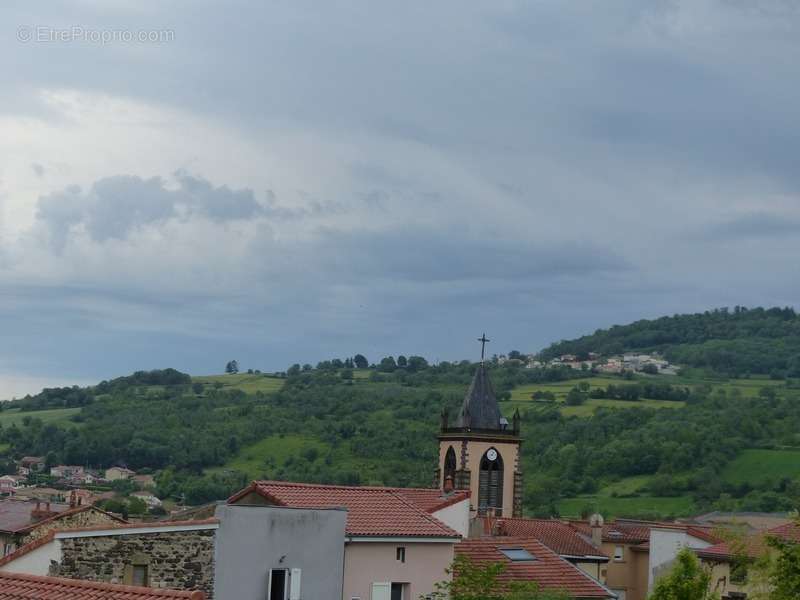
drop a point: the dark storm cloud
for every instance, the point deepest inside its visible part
(521, 167)
(755, 225)
(427, 255)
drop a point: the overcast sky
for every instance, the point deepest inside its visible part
(284, 182)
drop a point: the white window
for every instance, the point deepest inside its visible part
(619, 553)
(401, 554)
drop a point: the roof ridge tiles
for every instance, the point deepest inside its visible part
(129, 591)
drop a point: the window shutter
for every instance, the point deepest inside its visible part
(294, 584)
(381, 591)
(483, 490)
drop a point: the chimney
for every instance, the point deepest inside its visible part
(39, 513)
(596, 523)
(448, 484)
(500, 528)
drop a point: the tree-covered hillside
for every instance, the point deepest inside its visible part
(735, 342)
(206, 438)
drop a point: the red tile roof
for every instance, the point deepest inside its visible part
(753, 545)
(371, 511)
(556, 535)
(27, 587)
(431, 500)
(549, 570)
(15, 515)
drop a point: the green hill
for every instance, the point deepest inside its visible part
(634, 445)
(737, 342)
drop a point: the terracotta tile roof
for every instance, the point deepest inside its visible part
(556, 535)
(27, 587)
(626, 531)
(753, 545)
(371, 511)
(548, 569)
(15, 515)
(431, 500)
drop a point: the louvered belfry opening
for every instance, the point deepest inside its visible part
(490, 484)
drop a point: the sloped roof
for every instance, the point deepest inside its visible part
(14, 586)
(752, 545)
(371, 511)
(548, 569)
(556, 535)
(623, 531)
(480, 409)
(15, 515)
(431, 500)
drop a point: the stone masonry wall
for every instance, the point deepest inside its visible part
(86, 518)
(182, 560)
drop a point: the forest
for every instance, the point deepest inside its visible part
(735, 342)
(381, 429)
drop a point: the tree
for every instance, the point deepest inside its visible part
(416, 363)
(232, 367)
(387, 365)
(360, 361)
(197, 388)
(575, 397)
(402, 361)
(481, 581)
(293, 370)
(785, 576)
(686, 581)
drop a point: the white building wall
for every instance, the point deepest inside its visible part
(35, 562)
(664, 547)
(455, 516)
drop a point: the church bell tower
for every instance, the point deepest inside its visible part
(480, 451)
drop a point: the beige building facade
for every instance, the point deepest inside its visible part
(394, 570)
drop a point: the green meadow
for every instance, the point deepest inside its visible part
(247, 382)
(752, 466)
(60, 416)
(641, 506)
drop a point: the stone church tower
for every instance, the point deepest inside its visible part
(480, 452)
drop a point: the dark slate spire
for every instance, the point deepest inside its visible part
(480, 409)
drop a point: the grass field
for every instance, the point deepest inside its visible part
(251, 459)
(752, 466)
(249, 383)
(630, 507)
(587, 409)
(561, 388)
(56, 415)
(521, 397)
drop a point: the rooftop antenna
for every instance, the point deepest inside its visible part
(483, 339)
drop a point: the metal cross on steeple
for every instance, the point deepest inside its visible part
(483, 339)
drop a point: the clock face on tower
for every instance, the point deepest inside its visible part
(491, 454)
